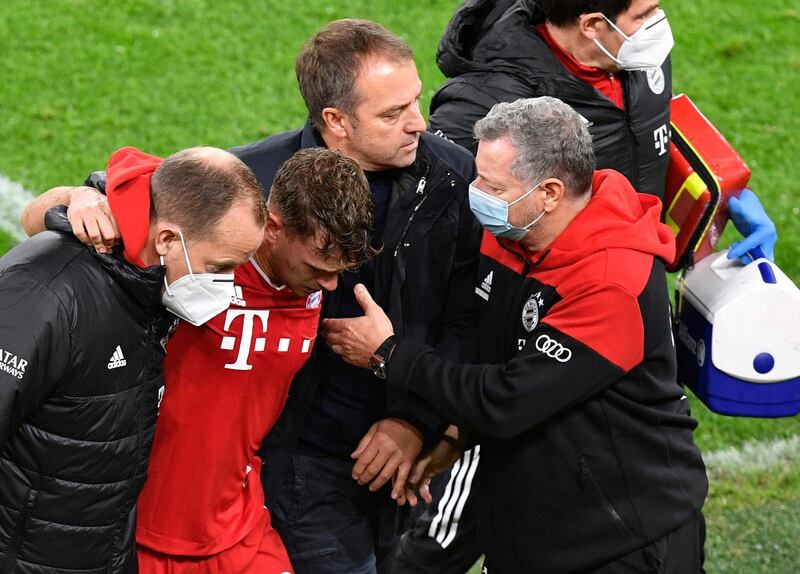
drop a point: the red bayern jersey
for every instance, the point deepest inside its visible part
(226, 383)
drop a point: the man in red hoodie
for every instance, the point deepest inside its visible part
(587, 457)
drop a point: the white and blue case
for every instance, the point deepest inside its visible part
(738, 337)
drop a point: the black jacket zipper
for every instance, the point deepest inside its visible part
(586, 471)
(420, 190)
(13, 544)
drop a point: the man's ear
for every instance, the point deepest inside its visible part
(164, 234)
(592, 25)
(337, 122)
(554, 193)
(274, 227)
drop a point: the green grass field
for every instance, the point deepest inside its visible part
(82, 78)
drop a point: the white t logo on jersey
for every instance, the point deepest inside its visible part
(247, 342)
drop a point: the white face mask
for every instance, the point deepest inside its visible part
(648, 47)
(196, 298)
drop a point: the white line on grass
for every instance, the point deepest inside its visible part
(13, 197)
(753, 457)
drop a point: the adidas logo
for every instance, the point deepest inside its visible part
(486, 287)
(238, 297)
(117, 359)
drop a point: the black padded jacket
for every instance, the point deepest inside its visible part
(492, 54)
(80, 380)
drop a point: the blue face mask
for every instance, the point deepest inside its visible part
(492, 213)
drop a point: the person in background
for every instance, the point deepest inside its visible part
(608, 59)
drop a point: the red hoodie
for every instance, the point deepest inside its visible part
(128, 189)
(586, 444)
(602, 259)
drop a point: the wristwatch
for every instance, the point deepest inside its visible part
(380, 358)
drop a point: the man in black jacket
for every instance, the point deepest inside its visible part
(608, 59)
(82, 345)
(361, 88)
(588, 462)
(499, 52)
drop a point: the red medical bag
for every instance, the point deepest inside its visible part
(704, 170)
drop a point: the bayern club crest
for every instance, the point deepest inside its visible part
(655, 79)
(530, 313)
(314, 300)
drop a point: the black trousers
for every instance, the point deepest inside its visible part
(330, 524)
(679, 552)
(443, 538)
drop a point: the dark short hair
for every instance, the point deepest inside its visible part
(566, 12)
(196, 187)
(320, 191)
(328, 64)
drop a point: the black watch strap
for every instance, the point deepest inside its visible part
(380, 358)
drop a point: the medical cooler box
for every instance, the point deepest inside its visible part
(738, 336)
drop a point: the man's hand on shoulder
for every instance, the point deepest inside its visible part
(91, 219)
(87, 211)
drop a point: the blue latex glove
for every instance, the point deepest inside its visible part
(754, 224)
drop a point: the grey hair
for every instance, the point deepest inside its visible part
(551, 138)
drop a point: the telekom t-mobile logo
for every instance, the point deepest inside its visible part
(251, 339)
(249, 319)
(661, 137)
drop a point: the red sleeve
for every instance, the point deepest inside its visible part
(607, 319)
